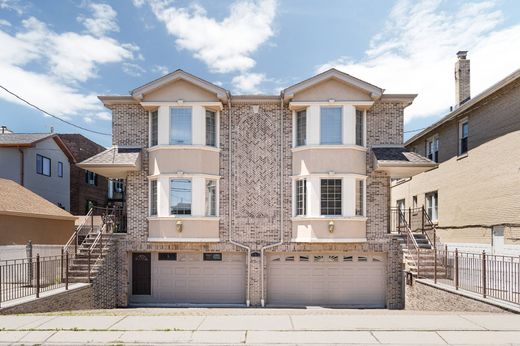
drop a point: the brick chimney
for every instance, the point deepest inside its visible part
(462, 79)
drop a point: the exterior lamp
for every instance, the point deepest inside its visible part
(178, 226)
(331, 226)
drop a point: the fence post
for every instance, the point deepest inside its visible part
(76, 242)
(484, 273)
(29, 255)
(418, 262)
(456, 269)
(37, 275)
(435, 265)
(89, 266)
(67, 271)
(61, 266)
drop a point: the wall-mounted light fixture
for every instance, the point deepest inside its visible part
(331, 226)
(180, 101)
(178, 226)
(256, 108)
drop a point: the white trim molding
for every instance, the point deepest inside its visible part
(329, 146)
(184, 147)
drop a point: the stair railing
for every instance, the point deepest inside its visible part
(107, 220)
(74, 239)
(428, 220)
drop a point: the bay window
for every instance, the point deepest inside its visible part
(211, 128)
(180, 197)
(180, 125)
(153, 197)
(360, 197)
(331, 125)
(330, 197)
(154, 128)
(360, 128)
(301, 128)
(301, 197)
(211, 198)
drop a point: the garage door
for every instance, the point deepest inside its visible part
(357, 280)
(199, 278)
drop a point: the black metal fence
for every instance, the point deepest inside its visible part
(31, 276)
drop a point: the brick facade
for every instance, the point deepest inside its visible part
(81, 192)
(258, 182)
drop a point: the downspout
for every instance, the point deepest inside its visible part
(230, 192)
(262, 250)
(22, 166)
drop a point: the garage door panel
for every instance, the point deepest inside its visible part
(327, 279)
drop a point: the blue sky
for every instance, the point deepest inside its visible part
(61, 54)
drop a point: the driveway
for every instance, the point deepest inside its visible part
(260, 326)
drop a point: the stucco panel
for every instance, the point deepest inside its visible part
(332, 89)
(182, 90)
(319, 229)
(346, 160)
(166, 228)
(167, 161)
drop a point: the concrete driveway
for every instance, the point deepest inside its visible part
(260, 326)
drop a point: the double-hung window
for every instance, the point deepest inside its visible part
(211, 128)
(211, 198)
(360, 128)
(153, 197)
(154, 128)
(43, 165)
(463, 137)
(60, 169)
(301, 128)
(432, 205)
(330, 197)
(432, 148)
(360, 198)
(90, 178)
(180, 125)
(301, 197)
(330, 125)
(180, 197)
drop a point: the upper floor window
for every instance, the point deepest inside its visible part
(211, 128)
(432, 148)
(154, 130)
(153, 197)
(330, 125)
(301, 197)
(43, 165)
(360, 128)
(432, 205)
(463, 137)
(360, 198)
(211, 198)
(301, 128)
(330, 197)
(180, 125)
(90, 178)
(60, 169)
(180, 197)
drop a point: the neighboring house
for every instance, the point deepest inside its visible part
(25, 216)
(474, 194)
(265, 199)
(38, 161)
(86, 188)
(45, 164)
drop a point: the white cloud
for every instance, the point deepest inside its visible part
(225, 45)
(133, 70)
(416, 52)
(4, 22)
(12, 5)
(160, 69)
(248, 83)
(46, 67)
(103, 19)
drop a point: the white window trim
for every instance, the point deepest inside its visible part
(294, 114)
(150, 197)
(329, 146)
(342, 120)
(461, 122)
(170, 200)
(295, 207)
(217, 197)
(432, 140)
(217, 125)
(436, 218)
(184, 147)
(150, 127)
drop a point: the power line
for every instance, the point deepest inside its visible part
(52, 115)
(424, 128)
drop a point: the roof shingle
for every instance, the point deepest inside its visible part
(16, 139)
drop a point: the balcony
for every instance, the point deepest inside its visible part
(329, 230)
(183, 229)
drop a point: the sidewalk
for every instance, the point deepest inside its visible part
(268, 326)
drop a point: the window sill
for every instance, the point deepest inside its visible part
(329, 218)
(463, 156)
(183, 240)
(329, 240)
(184, 218)
(184, 147)
(328, 146)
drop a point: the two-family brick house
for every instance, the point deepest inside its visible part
(263, 199)
(474, 194)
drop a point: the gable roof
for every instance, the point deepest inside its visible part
(374, 91)
(138, 92)
(18, 201)
(80, 146)
(22, 139)
(466, 107)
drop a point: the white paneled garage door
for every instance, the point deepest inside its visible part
(317, 279)
(214, 278)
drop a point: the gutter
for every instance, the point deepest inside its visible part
(22, 166)
(262, 250)
(230, 186)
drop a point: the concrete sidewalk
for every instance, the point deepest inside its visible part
(267, 326)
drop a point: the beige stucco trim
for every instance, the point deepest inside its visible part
(317, 230)
(328, 146)
(329, 218)
(184, 175)
(152, 105)
(117, 100)
(297, 105)
(184, 218)
(337, 240)
(183, 240)
(183, 147)
(330, 176)
(37, 216)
